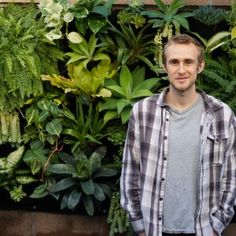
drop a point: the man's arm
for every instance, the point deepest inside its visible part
(130, 175)
(227, 199)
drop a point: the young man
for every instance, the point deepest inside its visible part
(179, 164)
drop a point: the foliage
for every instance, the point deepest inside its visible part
(167, 19)
(209, 15)
(125, 92)
(88, 67)
(24, 55)
(117, 217)
(69, 127)
(84, 179)
(12, 177)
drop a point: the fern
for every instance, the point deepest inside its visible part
(24, 54)
(219, 79)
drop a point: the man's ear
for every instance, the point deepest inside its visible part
(201, 67)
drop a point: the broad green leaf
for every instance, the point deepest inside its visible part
(88, 204)
(14, 157)
(43, 116)
(61, 169)
(54, 127)
(40, 191)
(121, 104)
(217, 38)
(68, 17)
(182, 21)
(125, 114)
(64, 201)
(44, 104)
(139, 75)
(98, 193)
(147, 84)
(96, 24)
(108, 104)
(62, 184)
(126, 80)
(74, 199)
(233, 33)
(106, 189)
(105, 172)
(141, 93)
(110, 115)
(117, 91)
(74, 37)
(32, 115)
(88, 187)
(67, 158)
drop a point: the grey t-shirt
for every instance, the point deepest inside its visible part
(180, 200)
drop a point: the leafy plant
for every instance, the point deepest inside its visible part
(12, 177)
(130, 88)
(24, 55)
(209, 15)
(219, 79)
(81, 179)
(88, 67)
(167, 19)
(84, 129)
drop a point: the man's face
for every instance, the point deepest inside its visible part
(182, 66)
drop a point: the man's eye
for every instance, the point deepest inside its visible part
(189, 62)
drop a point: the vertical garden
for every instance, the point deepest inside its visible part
(69, 76)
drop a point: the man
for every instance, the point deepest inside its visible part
(179, 164)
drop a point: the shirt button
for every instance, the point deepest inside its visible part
(159, 218)
(161, 199)
(163, 179)
(165, 137)
(164, 158)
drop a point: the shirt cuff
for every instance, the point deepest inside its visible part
(138, 225)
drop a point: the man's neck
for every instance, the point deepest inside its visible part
(181, 100)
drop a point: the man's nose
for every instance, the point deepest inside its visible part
(181, 68)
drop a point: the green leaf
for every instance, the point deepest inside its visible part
(44, 104)
(62, 184)
(126, 80)
(74, 199)
(182, 21)
(43, 116)
(67, 158)
(96, 24)
(110, 115)
(125, 114)
(88, 187)
(121, 104)
(40, 191)
(88, 204)
(61, 169)
(117, 91)
(106, 189)
(98, 193)
(14, 157)
(31, 115)
(109, 104)
(105, 172)
(141, 93)
(54, 127)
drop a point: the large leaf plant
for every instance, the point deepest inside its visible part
(127, 89)
(80, 178)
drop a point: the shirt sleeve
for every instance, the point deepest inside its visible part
(228, 184)
(130, 174)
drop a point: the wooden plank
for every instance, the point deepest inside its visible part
(150, 2)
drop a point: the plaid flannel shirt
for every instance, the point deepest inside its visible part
(145, 163)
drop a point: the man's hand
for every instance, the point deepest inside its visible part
(142, 234)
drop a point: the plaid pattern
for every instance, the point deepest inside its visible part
(145, 161)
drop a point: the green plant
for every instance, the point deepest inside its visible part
(12, 177)
(117, 217)
(88, 67)
(209, 15)
(128, 89)
(80, 179)
(24, 55)
(219, 79)
(10, 128)
(84, 129)
(167, 19)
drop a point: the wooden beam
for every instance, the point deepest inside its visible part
(149, 2)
